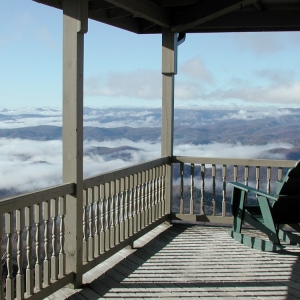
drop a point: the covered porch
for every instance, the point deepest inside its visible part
(57, 236)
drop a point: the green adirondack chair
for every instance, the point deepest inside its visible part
(269, 213)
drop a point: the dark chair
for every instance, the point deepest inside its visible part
(269, 212)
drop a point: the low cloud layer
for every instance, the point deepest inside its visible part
(285, 93)
(27, 165)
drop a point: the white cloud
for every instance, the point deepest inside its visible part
(283, 94)
(195, 68)
(258, 114)
(228, 150)
(187, 90)
(27, 165)
(141, 84)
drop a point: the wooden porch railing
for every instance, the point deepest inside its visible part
(118, 208)
(200, 184)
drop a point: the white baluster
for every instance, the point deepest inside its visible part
(192, 190)
(38, 262)
(122, 209)
(90, 200)
(46, 262)
(54, 257)
(213, 174)
(102, 218)
(107, 216)
(84, 229)
(29, 270)
(224, 171)
(126, 207)
(96, 237)
(9, 278)
(20, 275)
(112, 202)
(257, 176)
(130, 210)
(202, 205)
(181, 188)
(117, 213)
(62, 255)
(138, 202)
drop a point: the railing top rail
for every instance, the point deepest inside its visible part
(121, 173)
(235, 161)
(19, 202)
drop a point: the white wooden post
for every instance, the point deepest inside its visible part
(75, 17)
(169, 69)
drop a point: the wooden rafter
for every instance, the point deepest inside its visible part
(145, 9)
(204, 12)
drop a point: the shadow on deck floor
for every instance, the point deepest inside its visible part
(191, 262)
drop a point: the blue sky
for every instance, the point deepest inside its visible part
(123, 69)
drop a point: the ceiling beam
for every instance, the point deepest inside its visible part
(204, 12)
(127, 23)
(167, 3)
(287, 20)
(117, 13)
(97, 5)
(145, 9)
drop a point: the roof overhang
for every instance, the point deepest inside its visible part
(150, 16)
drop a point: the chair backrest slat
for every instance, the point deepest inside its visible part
(290, 185)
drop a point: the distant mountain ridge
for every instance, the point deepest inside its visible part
(192, 126)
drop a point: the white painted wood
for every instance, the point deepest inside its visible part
(224, 174)
(169, 69)
(20, 275)
(46, 261)
(130, 206)
(235, 161)
(54, 256)
(90, 195)
(117, 211)
(107, 216)
(102, 219)
(62, 255)
(192, 190)
(97, 223)
(1, 253)
(74, 27)
(135, 199)
(9, 277)
(122, 209)
(213, 174)
(257, 177)
(112, 215)
(38, 244)
(126, 207)
(29, 267)
(202, 202)
(122, 173)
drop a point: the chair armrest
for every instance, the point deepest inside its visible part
(249, 189)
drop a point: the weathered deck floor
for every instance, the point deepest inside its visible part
(191, 262)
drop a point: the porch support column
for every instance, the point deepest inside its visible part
(75, 19)
(169, 69)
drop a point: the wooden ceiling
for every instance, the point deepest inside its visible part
(149, 16)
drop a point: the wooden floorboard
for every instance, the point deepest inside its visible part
(191, 262)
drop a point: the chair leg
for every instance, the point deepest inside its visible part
(238, 202)
(268, 219)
